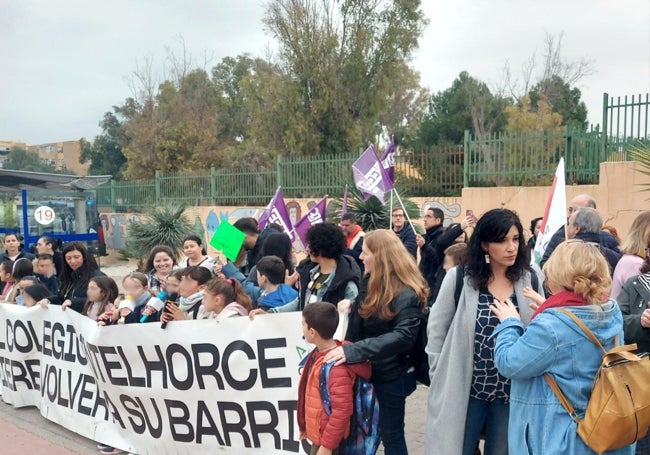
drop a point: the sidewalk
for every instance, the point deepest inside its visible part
(25, 431)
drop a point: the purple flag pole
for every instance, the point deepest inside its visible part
(388, 163)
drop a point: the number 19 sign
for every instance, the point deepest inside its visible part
(44, 215)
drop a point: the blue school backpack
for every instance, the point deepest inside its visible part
(364, 423)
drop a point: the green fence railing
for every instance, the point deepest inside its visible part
(427, 171)
(500, 159)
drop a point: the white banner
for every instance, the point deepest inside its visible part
(195, 386)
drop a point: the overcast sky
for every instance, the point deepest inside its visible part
(67, 62)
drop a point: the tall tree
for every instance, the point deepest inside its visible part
(341, 63)
(22, 160)
(105, 152)
(467, 105)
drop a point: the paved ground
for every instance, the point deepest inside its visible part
(25, 431)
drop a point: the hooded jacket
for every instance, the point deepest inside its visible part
(321, 429)
(553, 343)
(335, 287)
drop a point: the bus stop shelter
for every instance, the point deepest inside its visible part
(60, 206)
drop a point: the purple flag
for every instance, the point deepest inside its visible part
(369, 175)
(388, 163)
(344, 207)
(276, 212)
(315, 216)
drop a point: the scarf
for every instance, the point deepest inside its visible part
(353, 235)
(187, 303)
(561, 299)
(644, 279)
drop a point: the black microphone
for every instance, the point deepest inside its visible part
(170, 299)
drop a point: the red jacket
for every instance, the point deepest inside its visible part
(321, 429)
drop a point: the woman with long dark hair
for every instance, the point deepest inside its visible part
(79, 267)
(159, 265)
(466, 391)
(383, 329)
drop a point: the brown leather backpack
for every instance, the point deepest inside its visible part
(618, 411)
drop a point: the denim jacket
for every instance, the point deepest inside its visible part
(553, 343)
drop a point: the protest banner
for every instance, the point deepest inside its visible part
(554, 214)
(199, 386)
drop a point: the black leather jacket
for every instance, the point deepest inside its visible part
(387, 344)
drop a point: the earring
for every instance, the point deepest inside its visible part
(487, 258)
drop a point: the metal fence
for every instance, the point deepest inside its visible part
(504, 159)
(625, 120)
(500, 159)
(432, 170)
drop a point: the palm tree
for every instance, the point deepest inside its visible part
(372, 214)
(640, 153)
(164, 225)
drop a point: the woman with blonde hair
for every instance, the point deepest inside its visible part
(577, 275)
(634, 252)
(383, 328)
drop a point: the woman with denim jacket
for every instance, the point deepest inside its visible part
(577, 275)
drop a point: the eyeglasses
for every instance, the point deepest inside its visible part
(398, 216)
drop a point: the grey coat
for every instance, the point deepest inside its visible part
(450, 349)
(633, 300)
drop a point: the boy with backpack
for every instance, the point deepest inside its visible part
(326, 430)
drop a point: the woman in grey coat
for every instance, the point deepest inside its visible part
(466, 390)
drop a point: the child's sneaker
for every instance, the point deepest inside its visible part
(111, 451)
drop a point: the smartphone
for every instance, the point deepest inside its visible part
(469, 212)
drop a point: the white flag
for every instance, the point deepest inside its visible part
(554, 213)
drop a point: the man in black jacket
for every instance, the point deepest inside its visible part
(585, 224)
(430, 257)
(582, 200)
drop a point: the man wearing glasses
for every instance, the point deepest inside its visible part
(404, 232)
(606, 239)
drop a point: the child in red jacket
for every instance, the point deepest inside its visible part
(319, 322)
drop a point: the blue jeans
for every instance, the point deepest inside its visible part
(391, 397)
(494, 414)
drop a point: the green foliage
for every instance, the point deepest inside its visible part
(10, 220)
(22, 160)
(467, 105)
(105, 153)
(640, 152)
(342, 65)
(564, 99)
(164, 225)
(372, 214)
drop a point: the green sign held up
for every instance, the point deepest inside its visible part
(228, 239)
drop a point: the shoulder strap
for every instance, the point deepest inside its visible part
(460, 278)
(323, 380)
(584, 328)
(561, 397)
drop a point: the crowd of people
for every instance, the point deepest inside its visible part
(491, 319)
